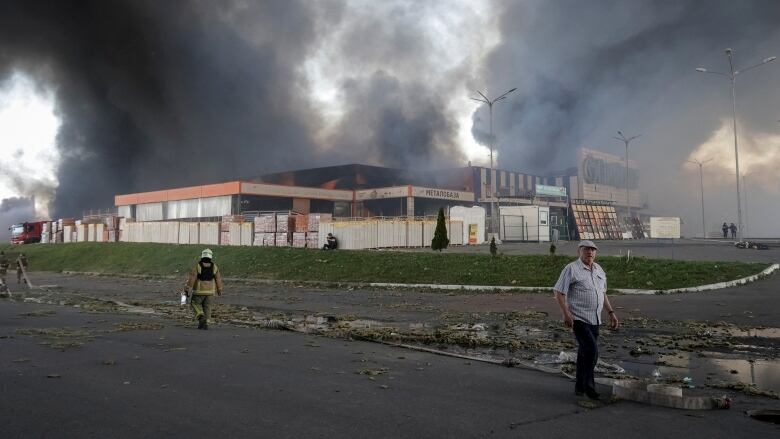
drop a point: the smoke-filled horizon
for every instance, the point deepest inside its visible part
(162, 94)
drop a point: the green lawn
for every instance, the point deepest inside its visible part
(370, 266)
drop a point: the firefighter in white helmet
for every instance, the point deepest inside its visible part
(204, 281)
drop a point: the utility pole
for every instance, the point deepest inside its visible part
(623, 139)
(701, 187)
(732, 75)
(493, 192)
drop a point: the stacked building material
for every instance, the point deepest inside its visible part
(265, 223)
(299, 239)
(265, 227)
(299, 223)
(312, 239)
(281, 239)
(45, 232)
(316, 218)
(282, 222)
(224, 229)
(111, 227)
(265, 239)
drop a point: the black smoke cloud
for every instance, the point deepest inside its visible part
(587, 69)
(12, 211)
(158, 94)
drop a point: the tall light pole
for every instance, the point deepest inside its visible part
(623, 139)
(745, 188)
(484, 99)
(732, 75)
(701, 186)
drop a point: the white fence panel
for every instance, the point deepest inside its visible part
(247, 233)
(235, 233)
(209, 233)
(414, 234)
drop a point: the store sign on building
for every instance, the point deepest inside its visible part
(607, 169)
(550, 191)
(442, 194)
(382, 192)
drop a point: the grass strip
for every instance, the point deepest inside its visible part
(371, 266)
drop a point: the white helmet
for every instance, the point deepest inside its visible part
(207, 254)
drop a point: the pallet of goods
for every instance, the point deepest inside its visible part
(299, 239)
(315, 219)
(265, 239)
(265, 223)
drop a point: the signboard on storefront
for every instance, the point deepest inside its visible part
(382, 192)
(550, 191)
(442, 194)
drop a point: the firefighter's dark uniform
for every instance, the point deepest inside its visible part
(21, 263)
(4, 264)
(204, 281)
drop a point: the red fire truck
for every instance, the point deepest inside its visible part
(26, 233)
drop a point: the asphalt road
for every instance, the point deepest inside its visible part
(237, 382)
(173, 380)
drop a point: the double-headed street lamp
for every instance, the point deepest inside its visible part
(484, 99)
(733, 78)
(701, 186)
(625, 140)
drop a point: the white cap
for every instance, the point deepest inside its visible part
(207, 254)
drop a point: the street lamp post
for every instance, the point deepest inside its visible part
(732, 75)
(484, 99)
(623, 139)
(701, 186)
(745, 188)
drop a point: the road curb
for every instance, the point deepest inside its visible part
(449, 287)
(716, 286)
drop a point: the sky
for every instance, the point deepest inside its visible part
(106, 97)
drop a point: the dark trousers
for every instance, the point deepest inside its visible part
(587, 355)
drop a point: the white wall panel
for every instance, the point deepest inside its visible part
(247, 233)
(209, 233)
(215, 206)
(149, 212)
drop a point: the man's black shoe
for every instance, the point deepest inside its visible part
(593, 395)
(205, 325)
(201, 322)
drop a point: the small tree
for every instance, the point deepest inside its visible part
(493, 247)
(440, 240)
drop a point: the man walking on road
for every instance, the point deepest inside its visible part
(204, 281)
(581, 292)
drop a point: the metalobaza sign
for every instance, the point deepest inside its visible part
(442, 194)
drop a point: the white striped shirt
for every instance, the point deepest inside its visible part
(584, 290)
